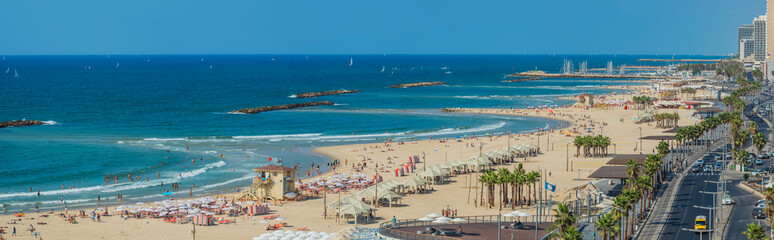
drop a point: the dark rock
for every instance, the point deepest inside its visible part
(20, 123)
(326, 93)
(281, 107)
(417, 84)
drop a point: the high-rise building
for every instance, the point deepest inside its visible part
(746, 47)
(770, 27)
(745, 32)
(759, 35)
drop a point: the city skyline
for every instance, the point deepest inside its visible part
(435, 27)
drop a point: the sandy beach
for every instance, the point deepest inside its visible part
(557, 152)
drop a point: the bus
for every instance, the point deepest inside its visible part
(700, 223)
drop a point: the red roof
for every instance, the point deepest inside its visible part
(274, 168)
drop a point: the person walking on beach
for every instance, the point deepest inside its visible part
(14, 231)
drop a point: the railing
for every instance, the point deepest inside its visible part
(388, 228)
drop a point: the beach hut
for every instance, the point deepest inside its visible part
(414, 183)
(258, 209)
(203, 220)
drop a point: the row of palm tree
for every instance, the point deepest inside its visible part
(642, 101)
(521, 184)
(666, 120)
(564, 226)
(691, 91)
(593, 146)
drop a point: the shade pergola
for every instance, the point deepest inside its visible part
(659, 138)
(622, 159)
(614, 172)
(414, 182)
(709, 110)
(673, 130)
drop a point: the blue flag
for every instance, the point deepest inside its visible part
(550, 187)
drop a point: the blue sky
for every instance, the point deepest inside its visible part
(365, 26)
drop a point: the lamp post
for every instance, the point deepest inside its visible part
(640, 139)
(567, 162)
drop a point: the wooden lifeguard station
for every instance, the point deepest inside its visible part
(272, 182)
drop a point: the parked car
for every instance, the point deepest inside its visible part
(763, 156)
(758, 172)
(727, 200)
(758, 162)
(758, 213)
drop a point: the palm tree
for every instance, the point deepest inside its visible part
(754, 232)
(572, 234)
(564, 219)
(621, 209)
(632, 197)
(769, 210)
(644, 187)
(760, 141)
(608, 225)
(742, 158)
(578, 144)
(504, 178)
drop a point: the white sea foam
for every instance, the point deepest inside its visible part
(164, 139)
(292, 96)
(50, 122)
(235, 113)
(451, 131)
(245, 177)
(120, 142)
(304, 135)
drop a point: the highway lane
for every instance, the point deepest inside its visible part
(742, 213)
(683, 211)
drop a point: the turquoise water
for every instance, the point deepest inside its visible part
(148, 115)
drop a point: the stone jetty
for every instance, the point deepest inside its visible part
(326, 93)
(523, 79)
(417, 84)
(281, 107)
(20, 123)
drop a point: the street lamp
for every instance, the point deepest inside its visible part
(567, 162)
(640, 139)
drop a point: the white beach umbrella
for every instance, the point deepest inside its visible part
(459, 220)
(440, 221)
(426, 219)
(521, 214)
(510, 215)
(443, 218)
(434, 215)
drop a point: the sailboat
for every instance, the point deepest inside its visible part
(350, 62)
(382, 68)
(15, 73)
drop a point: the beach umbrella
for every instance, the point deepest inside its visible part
(440, 221)
(521, 214)
(434, 215)
(459, 220)
(443, 218)
(510, 215)
(426, 219)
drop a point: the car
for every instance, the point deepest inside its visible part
(761, 203)
(763, 156)
(730, 155)
(727, 200)
(707, 168)
(700, 162)
(758, 213)
(758, 172)
(718, 164)
(758, 162)
(718, 157)
(718, 168)
(695, 169)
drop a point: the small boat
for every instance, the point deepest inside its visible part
(444, 68)
(382, 68)
(15, 73)
(350, 62)
(117, 64)
(448, 72)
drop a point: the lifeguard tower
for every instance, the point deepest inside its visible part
(272, 182)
